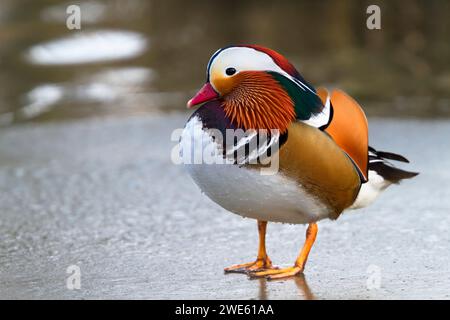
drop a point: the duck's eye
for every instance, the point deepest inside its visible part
(230, 71)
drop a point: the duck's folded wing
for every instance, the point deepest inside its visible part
(344, 120)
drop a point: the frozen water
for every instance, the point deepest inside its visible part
(104, 195)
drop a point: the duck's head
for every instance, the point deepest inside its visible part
(258, 88)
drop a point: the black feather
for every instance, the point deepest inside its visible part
(388, 155)
(390, 173)
(378, 163)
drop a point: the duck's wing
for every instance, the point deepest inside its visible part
(344, 120)
(317, 164)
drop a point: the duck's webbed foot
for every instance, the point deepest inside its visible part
(277, 274)
(263, 264)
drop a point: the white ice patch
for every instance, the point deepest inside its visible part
(41, 99)
(88, 47)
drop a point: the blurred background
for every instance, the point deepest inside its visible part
(141, 56)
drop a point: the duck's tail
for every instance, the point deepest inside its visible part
(379, 162)
(382, 173)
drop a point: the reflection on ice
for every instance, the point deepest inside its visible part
(41, 99)
(106, 86)
(113, 84)
(88, 47)
(127, 76)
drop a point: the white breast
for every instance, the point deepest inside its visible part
(245, 191)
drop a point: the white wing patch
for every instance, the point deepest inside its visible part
(323, 118)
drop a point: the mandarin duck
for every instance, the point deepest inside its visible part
(319, 138)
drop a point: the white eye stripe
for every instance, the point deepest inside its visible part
(247, 59)
(242, 59)
(213, 57)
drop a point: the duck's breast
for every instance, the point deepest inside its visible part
(244, 190)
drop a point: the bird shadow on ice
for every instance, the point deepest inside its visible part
(304, 290)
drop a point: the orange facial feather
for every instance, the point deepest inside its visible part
(257, 101)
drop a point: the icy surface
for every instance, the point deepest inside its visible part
(105, 196)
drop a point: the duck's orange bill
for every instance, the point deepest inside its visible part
(206, 93)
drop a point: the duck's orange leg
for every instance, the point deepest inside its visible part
(262, 262)
(299, 265)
